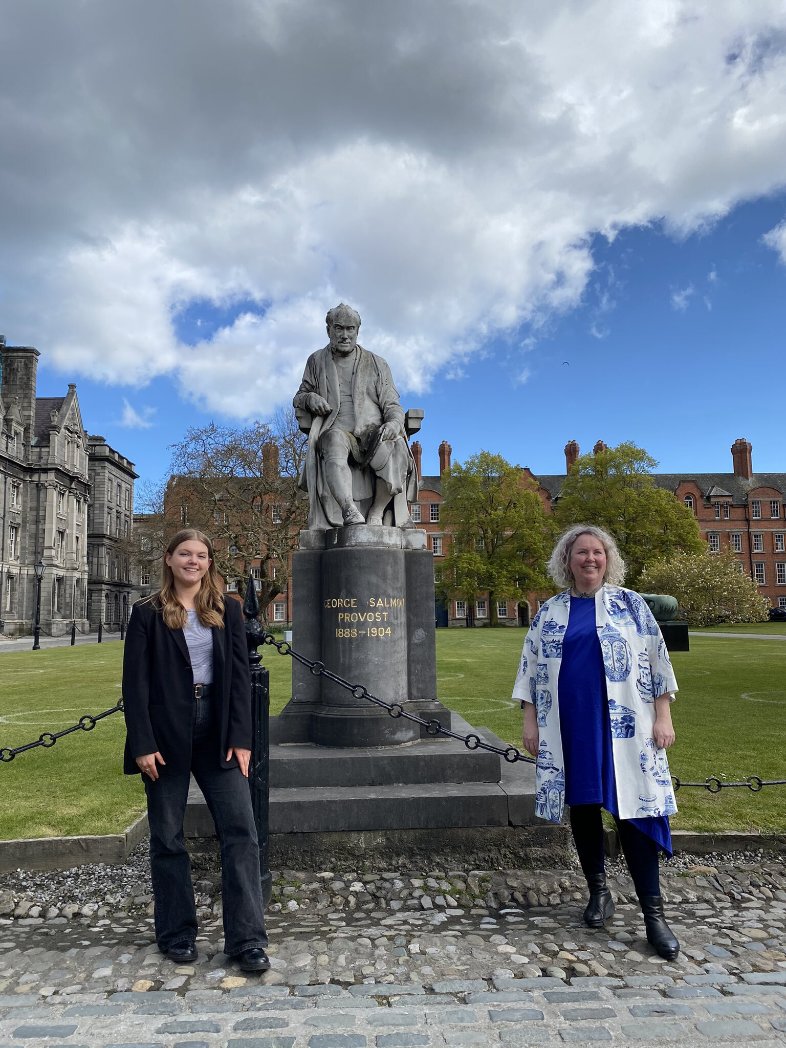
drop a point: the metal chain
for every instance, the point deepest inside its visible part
(48, 739)
(473, 741)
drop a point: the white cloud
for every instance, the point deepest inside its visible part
(776, 239)
(680, 299)
(441, 167)
(134, 419)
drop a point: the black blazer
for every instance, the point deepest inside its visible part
(158, 687)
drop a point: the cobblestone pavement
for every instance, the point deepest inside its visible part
(386, 960)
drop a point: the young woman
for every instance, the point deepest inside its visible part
(187, 704)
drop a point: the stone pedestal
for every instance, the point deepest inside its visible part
(364, 608)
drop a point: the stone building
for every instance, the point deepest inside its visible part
(44, 496)
(56, 508)
(110, 560)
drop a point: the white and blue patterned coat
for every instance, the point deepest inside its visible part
(638, 670)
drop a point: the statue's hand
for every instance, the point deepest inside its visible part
(317, 405)
(389, 431)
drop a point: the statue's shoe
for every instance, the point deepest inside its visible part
(353, 516)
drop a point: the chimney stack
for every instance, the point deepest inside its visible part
(444, 458)
(417, 454)
(742, 459)
(270, 461)
(572, 452)
(599, 446)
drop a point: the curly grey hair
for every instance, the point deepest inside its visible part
(559, 561)
(342, 310)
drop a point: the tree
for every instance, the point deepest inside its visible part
(500, 532)
(613, 488)
(239, 485)
(709, 587)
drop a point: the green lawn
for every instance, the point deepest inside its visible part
(730, 720)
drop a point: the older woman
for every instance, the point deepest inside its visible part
(596, 686)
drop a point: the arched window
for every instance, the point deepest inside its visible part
(690, 502)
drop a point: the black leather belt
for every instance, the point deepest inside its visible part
(203, 691)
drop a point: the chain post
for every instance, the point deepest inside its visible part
(122, 629)
(259, 777)
(100, 630)
(73, 633)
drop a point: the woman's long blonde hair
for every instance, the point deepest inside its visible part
(209, 601)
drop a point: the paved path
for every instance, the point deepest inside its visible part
(392, 961)
(26, 643)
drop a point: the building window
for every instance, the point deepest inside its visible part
(434, 512)
(78, 508)
(481, 609)
(756, 509)
(775, 509)
(726, 510)
(461, 609)
(184, 513)
(436, 545)
(735, 541)
(144, 577)
(275, 513)
(758, 542)
(61, 502)
(15, 495)
(58, 595)
(717, 508)
(10, 594)
(782, 602)
(416, 512)
(128, 498)
(758, 573)
(689, 502)
(778, 542)
(279, 612)
(109, 491)
(13, 542)
(60, 547)
(713, 541)
(780, 573)
(502, 609)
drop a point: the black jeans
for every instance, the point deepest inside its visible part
(229, 799)
(640, 851)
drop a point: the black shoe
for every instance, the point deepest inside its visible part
(659, 934)
(253, 960)
(601, 905)
(181, 952)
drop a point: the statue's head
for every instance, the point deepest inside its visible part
(343, 323)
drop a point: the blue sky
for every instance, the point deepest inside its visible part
(546, 241)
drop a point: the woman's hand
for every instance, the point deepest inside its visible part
(243, 758)
(148, 764)
(530, 736)
(663, 730)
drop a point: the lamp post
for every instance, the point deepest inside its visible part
(39, 569)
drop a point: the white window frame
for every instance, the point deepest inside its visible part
(758, 542)
(756, 509)
(782, 602)
(437, 546)
(690, 502)
(9, 598)
(502, 609)
(717, 508)
(779, 542)
(481, 609)
(461, 609)
(13, 541)
(16, 490)
(726, 510)
(759, 573)
(279, 611)
(735, 541)
(713, 541)
(780, 573)
(775, 509)
(433, 513)
(415, 512)
(144, 578)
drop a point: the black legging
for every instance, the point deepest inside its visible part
(640, 851)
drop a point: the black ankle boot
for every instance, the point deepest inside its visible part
(601, 905)
(659, 934)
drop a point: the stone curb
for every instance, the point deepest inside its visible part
(63, 853)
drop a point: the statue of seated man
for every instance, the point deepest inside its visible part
(359, 469)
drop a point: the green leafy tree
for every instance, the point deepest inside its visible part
(614, 489)
(500, 532)
(709, 587)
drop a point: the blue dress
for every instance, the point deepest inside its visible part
(585, 725)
